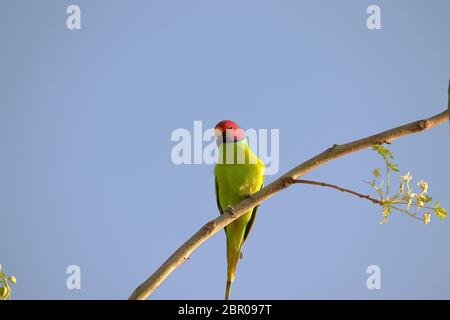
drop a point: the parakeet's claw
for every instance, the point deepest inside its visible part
(241, 256)
(231, 212)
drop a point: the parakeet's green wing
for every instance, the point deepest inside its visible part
(217, 196)
(249, 226)
(218, 201)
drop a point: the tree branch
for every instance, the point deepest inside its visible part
(213, 226)
(448, 107)
(323, 184)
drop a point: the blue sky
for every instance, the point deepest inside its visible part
(86, 118)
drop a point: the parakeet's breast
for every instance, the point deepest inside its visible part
(238, 180)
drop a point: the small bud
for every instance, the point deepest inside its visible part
(376, 172)
(423, 185)
(409, 197)
(12, 279)
(440, 211)
(407, 177)
(426, 218)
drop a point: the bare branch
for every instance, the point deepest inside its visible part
(213, 226)
(323, 184)
(448, 107)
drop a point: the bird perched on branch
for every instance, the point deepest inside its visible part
(239, 173)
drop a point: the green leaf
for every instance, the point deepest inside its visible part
(392, 166)
(426, 198)
(386, 154)
(441, 212)
(383, 151)
(12, 279)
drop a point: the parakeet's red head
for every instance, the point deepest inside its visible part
(228, 131)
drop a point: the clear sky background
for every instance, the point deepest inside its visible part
(86, 116)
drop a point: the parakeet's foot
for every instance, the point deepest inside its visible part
(251, 197)
(241, 256)
(231, 212)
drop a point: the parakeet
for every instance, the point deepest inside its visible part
(239, 173)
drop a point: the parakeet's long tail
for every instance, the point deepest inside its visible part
(227, 290)
(232, 258)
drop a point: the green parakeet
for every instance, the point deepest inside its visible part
(239, 173)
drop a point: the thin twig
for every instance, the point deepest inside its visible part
(323, 184)
(373, 200)
(213, 226)
(448, 107)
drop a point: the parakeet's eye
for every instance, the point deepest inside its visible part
(229, 127)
